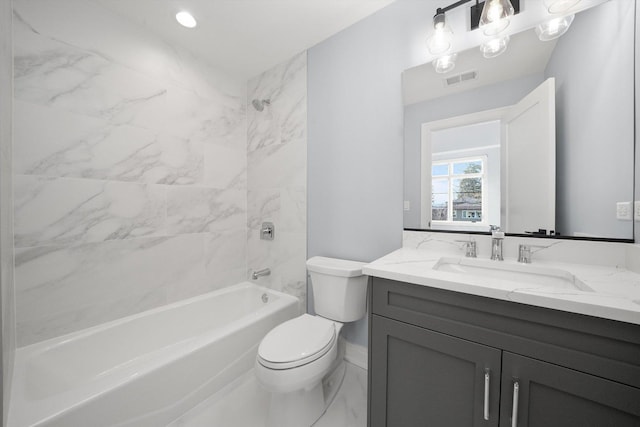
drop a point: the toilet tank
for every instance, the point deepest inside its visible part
(339, 288)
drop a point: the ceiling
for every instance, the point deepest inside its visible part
(246, 37)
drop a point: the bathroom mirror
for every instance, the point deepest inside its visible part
(574, 177)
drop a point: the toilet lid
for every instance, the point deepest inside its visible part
(297, 342)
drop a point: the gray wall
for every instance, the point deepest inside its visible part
(484, 98)
(7, 320)
(595, 136)
(355, 137)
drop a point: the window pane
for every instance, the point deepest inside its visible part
(440, 207)
(467, 199)
(440, 170)
(440, 186)
(439, 199)
(474, 166)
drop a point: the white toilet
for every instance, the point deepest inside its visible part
(295, 356)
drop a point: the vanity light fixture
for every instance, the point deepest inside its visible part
(441, 40)
(495, 16)
(554, 28)
(492, 16)
(186, 19)
(445, 63)
(495, 46)
(559, 6)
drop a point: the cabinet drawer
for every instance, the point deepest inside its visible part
(602, 347)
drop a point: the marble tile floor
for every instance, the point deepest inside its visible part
(244, 403)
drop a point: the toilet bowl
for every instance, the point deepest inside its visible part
(295, 357)
(297, 354)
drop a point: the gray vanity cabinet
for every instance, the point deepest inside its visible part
(444, 359)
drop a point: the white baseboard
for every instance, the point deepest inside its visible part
(356, 354)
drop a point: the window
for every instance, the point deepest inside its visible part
(458, 190)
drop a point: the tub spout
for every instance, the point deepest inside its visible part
(263, 272)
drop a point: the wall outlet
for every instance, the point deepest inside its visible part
(624, 211)
(407, 205)
(636, 211)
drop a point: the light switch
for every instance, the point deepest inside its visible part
(624, 211)
(407, 205)
(636, 211)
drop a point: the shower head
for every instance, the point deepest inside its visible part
(259, 104)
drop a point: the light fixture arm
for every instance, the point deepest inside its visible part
(439, 18)
(452, 6)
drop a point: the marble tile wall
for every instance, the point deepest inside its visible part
(130, 170)
(7, 291)
(277, 175)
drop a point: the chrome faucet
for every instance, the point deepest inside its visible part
(497, 236)
(525, 252)
(470, 248)
(263, 272)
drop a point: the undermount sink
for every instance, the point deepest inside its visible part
(526, 274)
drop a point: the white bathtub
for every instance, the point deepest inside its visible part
(146, 369)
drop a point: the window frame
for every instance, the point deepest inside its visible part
(450, 177)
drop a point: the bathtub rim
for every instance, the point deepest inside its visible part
(62, 339)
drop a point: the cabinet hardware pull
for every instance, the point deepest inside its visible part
(514, 411)
(486, 395)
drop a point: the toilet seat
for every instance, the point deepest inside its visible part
(297, 342)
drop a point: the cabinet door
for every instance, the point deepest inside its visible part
(425, 378)
(553, 396)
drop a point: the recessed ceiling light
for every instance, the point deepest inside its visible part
(186, 19)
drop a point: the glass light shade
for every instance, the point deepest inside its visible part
(495, 16)
(441, 40)
(445, 63)
(494, 47)
(186, 19)
(554, 28)
(559, 6)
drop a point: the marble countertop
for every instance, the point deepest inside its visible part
(615, 291)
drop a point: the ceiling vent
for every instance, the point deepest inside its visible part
(459, 78)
